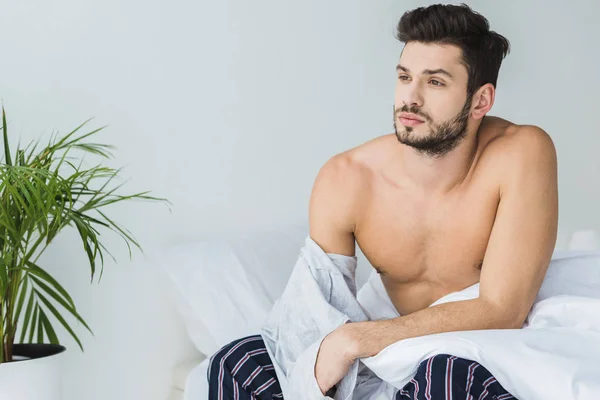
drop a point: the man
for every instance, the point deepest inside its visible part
(451, 198)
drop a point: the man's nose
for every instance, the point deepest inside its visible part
(412, 95)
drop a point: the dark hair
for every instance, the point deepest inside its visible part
(483, 50)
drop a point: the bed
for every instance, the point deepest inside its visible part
(223, 289)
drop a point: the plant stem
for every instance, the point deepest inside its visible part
(7, 332)
(9, 349)
(2, 341)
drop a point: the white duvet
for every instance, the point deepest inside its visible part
(555, 356)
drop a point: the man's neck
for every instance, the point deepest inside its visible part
(438, 175)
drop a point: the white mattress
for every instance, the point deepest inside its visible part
(196, 383)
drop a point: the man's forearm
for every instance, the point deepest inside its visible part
(373, 336)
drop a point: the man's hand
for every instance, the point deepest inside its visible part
(335, 357)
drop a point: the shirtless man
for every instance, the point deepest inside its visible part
(451, 198)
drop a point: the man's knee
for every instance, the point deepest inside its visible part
(223, 361)
(242, 366)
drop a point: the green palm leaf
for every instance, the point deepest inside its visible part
(43, 192)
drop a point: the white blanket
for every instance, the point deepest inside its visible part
(555, 356)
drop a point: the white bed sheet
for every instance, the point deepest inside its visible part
(196, 384)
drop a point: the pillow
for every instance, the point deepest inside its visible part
(225, 289)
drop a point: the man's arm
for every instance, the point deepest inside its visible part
(334, 204)
(517, 257)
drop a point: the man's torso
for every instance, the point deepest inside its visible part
(426, 247)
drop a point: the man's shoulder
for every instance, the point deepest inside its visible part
(341, 175)
(509, 142)
(343, 184)
(514, 149)
(352, 169)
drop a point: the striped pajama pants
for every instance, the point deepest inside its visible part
(243, 370)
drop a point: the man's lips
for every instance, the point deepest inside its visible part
(407, 115)
(410, 119)
(410, 122)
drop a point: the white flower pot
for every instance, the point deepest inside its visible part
(37, 374)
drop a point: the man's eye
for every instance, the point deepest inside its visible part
(403, 77)
(436, 82)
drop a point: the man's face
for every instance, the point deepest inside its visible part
(432, 90)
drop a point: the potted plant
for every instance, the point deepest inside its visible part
(42, 191)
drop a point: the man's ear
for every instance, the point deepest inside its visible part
(483, 100)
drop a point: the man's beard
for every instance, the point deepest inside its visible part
(442, 138)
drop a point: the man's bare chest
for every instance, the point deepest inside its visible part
(440, 242)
